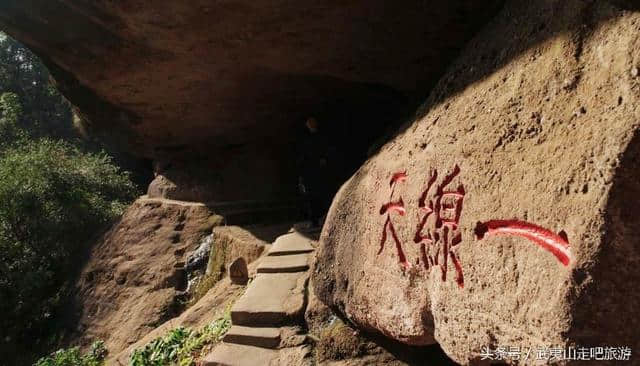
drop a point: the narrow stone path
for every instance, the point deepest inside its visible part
(268, 318)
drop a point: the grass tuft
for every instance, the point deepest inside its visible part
(181, 346)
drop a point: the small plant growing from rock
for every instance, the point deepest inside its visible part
(181, 346)
(73, 357)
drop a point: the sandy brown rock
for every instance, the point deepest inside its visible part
(232, 354)
(295, 356)
(222, 88)
(129, 285)
(175, 74)
(210, 307)
(238, 271)
(317, 315)
(548, 137)
(231, 243)
(272, 299)
(284, 263)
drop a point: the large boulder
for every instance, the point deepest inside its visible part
(508, 212)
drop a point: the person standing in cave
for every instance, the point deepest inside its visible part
(315, 159)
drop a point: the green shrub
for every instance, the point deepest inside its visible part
(53, 200)
(10, 112)
(73, 357)
(181, 346)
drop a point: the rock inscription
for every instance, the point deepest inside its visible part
(437, 231)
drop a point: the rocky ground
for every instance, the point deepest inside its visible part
(277, 320)
(129, 285)
(138, 276)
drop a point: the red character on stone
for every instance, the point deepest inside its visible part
(388, 208)
(446, 208)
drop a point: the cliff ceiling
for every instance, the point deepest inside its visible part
(177, 76)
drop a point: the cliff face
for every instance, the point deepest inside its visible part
(174, 80)
(506, 213)
(135, 273)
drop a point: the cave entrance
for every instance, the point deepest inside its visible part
(336, 137)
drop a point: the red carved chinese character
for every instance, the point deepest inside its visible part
(388, 208)
(446, 207)
(556, 244)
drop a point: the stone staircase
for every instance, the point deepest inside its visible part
(268, 319)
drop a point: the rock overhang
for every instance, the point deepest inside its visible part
(177, 76)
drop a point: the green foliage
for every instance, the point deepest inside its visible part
(10, 112)
(43, 111)
(181, 346)
(53, 199)
(11, 108)
(73, 357)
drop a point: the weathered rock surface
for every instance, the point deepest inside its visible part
(269, 315)
(273, 299)
(292, 243)
(522, 187)
(230, 243)
(238, 271)
(264, 337)
(232, 354)
(226, 175)
(212, 305)
(178, 73)
(134, 272)
(222, 86)
(284, 263)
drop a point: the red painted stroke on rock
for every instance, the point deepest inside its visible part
(397, 177)
(397, 207)
(557, 244)
(402, 258)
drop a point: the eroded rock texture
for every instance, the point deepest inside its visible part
(131, 282)
(519, 180)
(228, 79)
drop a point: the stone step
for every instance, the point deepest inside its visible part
(284, 263)
(230, 354)
(253, 336)
(292, 243)
(272, 300)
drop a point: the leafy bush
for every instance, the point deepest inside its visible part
(181, 346)
(53, 199)
(43, 111)
(73, 357)
(10, 109)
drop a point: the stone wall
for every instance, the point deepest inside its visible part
(506, 213)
